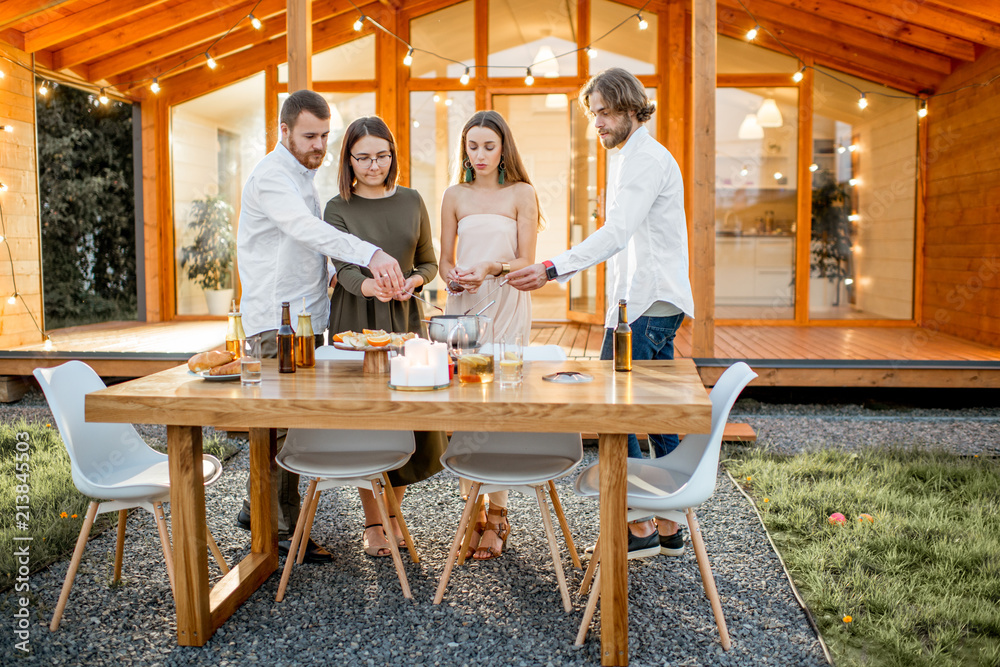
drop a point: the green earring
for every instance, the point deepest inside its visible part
(502, 171)
(468, 171)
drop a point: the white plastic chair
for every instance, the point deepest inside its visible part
(524, 462)
(671, 487)
(339, 458)
(110, 461)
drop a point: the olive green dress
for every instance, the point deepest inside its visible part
(400, 226)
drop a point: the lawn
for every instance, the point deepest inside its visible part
(55, 509)
(916, 584)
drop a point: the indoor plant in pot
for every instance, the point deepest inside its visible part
(209, 258)
(830, 244)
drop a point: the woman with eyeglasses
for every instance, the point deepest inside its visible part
(372, 207)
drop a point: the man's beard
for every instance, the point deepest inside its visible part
(308, 159)
(616, 136)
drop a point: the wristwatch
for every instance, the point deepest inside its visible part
(550, 270)
(504, 268)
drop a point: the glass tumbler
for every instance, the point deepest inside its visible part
(511, 360)
(250, 362)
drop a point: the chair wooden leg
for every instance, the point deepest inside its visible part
(588, 576)
(471, 528)
(300, 528)
(168, 552)
(557, 506)
(120, 545)
(219, 558)
(397, 560)
(707, 578)
(457, 542)
(74, 563)
(588, 612)
(308, 514)
(550, 533)
(397, 511)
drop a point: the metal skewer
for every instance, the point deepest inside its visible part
(486, 296)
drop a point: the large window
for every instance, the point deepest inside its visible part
(627, 46)
(449, 33)
(535, 32)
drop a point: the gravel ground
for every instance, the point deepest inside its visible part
(504, 612)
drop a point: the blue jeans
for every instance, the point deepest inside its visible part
(652, 338)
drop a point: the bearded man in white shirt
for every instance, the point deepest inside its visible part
(282, 247)
(644, 240)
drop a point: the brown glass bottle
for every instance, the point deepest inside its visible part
(286, 341)
(623, 341)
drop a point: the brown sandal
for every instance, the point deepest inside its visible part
(501, 529)
(375, 552)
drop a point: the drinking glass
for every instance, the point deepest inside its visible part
(250, 361)
(511, 360)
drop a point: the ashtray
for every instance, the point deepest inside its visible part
(568, 377)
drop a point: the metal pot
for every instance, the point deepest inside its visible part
(440, 326)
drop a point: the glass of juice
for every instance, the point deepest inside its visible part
(475, 367)
(250, 362)
(511, 361)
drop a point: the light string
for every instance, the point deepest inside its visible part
(13, 298)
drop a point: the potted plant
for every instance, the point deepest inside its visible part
(830, 243)
(209, 258)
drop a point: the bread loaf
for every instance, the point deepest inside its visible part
(206, 360)
(232, 368)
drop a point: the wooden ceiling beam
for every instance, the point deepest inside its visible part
(887, 27)
(777, 16)
(83, 21)
(123, 36)
(173, 48)
(894, 74)
(15, 11)
(987, 10)
(942, 20)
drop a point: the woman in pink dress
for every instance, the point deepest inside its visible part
(489, 226)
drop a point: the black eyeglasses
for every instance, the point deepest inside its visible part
(365, 161)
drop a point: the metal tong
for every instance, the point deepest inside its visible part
(419, 298)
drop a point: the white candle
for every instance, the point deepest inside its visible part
(438, 358)
(421, 376)
(416, 350)
(398, 367)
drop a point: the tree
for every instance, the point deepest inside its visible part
(85, 182)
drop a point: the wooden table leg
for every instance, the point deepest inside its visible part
(613, 459)
(263, 503)
(187, 519)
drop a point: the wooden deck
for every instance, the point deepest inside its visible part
(782, 356)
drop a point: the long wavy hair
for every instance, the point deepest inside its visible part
(514, 171)
(364, 126)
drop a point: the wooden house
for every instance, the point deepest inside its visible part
(832, 244)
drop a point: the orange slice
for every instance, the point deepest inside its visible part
(373, 332)
(378, 340)
(339, 338)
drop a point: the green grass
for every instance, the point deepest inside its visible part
(922, 583)
(51, 494)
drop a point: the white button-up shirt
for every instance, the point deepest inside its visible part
(645, 219)
(282, 244)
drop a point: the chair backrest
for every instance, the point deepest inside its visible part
(569, 445)
(330, 352)
(97, 451)
(698, 453)
(301, 440)
(544, 353)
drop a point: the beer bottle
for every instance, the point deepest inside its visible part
(286, 341)
(235, 335)
(623, 341)
(305, 343)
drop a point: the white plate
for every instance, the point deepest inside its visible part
(214, 378)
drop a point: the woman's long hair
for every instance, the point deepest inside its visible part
(364, 126)
(514, 171)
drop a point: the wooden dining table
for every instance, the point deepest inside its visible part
(656, 397)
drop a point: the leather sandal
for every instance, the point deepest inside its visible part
(401, 543)
(374, 552)
(502, 531)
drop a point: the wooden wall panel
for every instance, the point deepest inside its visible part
(19, 172)
(961, 277)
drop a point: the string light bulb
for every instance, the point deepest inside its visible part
(643, 24)
(359, 24)
(48, 344)
(854, 217)
(465, 77)
(408, 58)
(2, 75)
(43, 89)
(103, 99)
(528, 79)
(752, 33)
(13, 299)
(922, 112)
(862, 102)
(3, 187)
(155, 86)
(814, 167)
(255, 22)
(210, 61)
(854, 181)
(852, 147)
(1, 238)
(592, 52)
(7, 128)
(798, 76)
